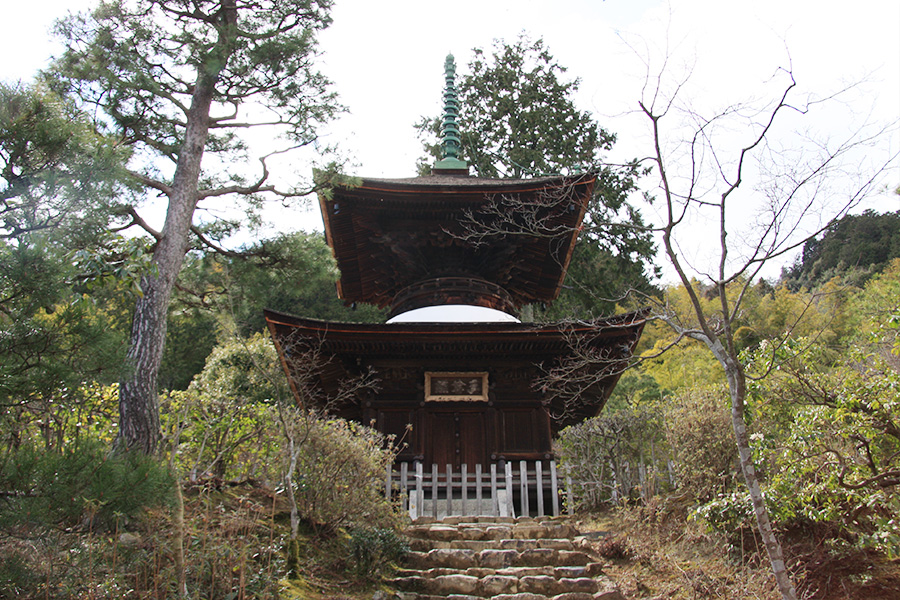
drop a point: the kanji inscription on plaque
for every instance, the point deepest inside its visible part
(456, 387)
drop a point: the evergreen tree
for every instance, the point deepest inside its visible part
(178, 81)
(519, 119)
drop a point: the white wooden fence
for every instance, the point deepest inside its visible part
(523, 488)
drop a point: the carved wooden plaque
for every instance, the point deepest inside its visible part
(456, 387)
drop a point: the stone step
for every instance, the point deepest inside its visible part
(593, 569)
(472, 558)
(424, 545)
(496, 586)
(461, 559)
(604, 595)
(441, 532)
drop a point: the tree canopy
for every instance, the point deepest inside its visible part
(56, 171)
(518, 118)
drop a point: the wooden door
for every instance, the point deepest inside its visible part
(455, 437)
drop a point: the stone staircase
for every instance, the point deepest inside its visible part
(469, 558)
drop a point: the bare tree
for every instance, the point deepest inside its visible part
(699, 177)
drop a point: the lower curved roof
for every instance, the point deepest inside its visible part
(590, 356)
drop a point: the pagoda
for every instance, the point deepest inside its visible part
(461, 380)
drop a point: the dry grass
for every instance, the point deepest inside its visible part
(654, 552)
(235, 547)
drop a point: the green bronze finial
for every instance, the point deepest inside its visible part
(450, 143)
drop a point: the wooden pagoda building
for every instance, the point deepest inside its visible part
(460, 379)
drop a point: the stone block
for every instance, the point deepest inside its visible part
(494, 585)
(470, 533)
(530, 532)
(451, 557)
(443, 533)
(584, 585)
(497, 532)
(539, 557)
(537, 584)
(576, 571)
(557, 544)
(572, 558)
(453, 584)
(497, 559)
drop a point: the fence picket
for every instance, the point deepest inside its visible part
(495, 497)
(414, 488)
(539, 485)
(554, 488)
(434, 490)
(449, 488)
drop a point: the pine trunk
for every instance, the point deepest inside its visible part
(138, 402)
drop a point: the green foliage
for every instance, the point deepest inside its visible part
(56, 172)
(226, 423)
(832, 445)
(373, 550)
(731, 514)
(79, 485)
(518, 118)
(53, 339)
(615, 457)
(135, 63)
(293, 273)
(872, 314)
(62, 417)
(17, 577)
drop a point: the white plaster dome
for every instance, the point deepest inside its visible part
(453, 313)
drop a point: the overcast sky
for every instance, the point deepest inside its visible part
(386, 60)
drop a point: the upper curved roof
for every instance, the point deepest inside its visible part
(387, 234)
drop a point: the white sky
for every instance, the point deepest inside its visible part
(386, 60)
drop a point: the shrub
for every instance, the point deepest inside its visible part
(226, 422)
(615, 457)
(374, 549)
(78, 485)
(339, 473)
(698, 428)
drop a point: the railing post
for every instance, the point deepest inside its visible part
(420, 489)
(539, 482)
(464, 475)
(478, 494)
(404, 487)
(449, 487)
(554, 488)
(434, 490)
(509, 490)
(495, 498)
(523, 487)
